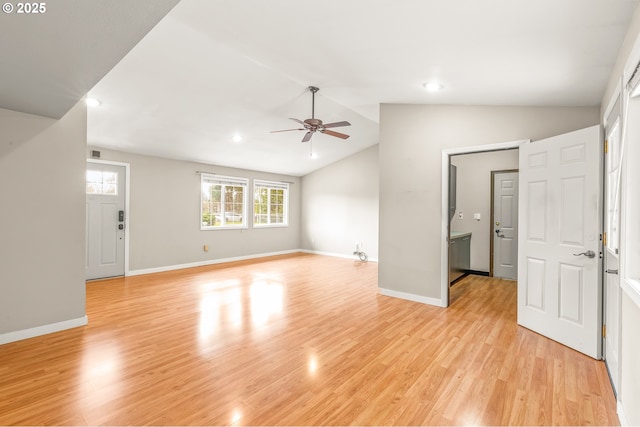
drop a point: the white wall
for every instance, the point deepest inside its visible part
(340, 206)
(474, 195)
(412, 138)
(165, 210)
(42, 222)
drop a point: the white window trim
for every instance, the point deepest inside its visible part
(277, 185)
(224, 180)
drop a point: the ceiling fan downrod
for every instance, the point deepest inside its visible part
(313, 90)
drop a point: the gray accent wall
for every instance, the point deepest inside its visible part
(474, 196)
(42, 219)
(412, 138)
(165, 213)
(340, 206)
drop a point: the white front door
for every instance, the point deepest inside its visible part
(559, 293)
(505, 225)
(105, 188)
(611, 250)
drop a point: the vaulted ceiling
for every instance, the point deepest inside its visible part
(51, 59)
(213, 69)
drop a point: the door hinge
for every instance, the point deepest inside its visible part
(606, 146)
(604, 239)
(604, 331)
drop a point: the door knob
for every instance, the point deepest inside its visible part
(588, 254)
(498, 233)
(612, 271)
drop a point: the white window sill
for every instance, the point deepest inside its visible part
(270, 225)
(632, 288)
(241, 227)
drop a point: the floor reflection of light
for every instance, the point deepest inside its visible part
(236, 416)
(233, 308)
(101, 369)
(212, 306)
(313, 364)
(209, 315)
(471, 421)
(266, 300)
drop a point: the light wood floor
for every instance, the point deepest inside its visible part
(298, 340)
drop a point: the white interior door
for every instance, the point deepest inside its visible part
(559, 265)
(105, 220)
(611, 251)
(505, 225)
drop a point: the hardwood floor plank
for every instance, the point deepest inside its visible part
(297, 340)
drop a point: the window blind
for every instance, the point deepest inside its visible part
(271, 184)
(223, 180)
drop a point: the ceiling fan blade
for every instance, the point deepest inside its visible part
(307, 136)
(297, 121)
(337, 124)
(285, 130)
(336, 134)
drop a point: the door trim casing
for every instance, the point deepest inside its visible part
(444, 213)
(127, 210)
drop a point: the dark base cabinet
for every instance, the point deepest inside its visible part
(459, 255)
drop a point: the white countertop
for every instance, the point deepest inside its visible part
(458, 234)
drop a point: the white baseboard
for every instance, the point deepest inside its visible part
(411, 297)
(42, 330)
(621, 415)
(335, 254)
(207, 262)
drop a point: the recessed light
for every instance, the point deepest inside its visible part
(237, 138)
(432, 86)
(92, 102)
(313, 155)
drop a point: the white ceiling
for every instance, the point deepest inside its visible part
(214, 68)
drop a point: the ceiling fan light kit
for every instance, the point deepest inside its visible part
(314, 125)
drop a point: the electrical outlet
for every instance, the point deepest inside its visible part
(460, 215)
(205, 248)
(476, 216)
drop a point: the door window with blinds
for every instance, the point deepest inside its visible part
(270, 204)
(223, 202)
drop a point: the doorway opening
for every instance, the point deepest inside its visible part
(470, 214)
(559, 273)
(107, 219)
